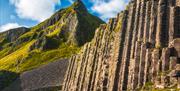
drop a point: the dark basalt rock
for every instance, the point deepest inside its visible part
(140, 47)
(5, 77)
(46, 78)
(137, 48)
(45, 43)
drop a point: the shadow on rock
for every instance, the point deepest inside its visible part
(7, 78)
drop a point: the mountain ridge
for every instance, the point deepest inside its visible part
(137, 51)
(58, 37)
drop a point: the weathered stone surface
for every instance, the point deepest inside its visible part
(174, 23)
(177, 2)
(123, 55)
(155, 66)
(13, 34)
(46, 78)
(142, 65)
(148, 66)
(175, 44)
(153, 22)
(173, 62)
(162, 24)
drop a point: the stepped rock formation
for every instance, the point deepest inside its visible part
(139, 47)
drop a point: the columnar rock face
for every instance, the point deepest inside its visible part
(141, 45)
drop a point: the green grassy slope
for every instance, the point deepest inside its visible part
(58, 37)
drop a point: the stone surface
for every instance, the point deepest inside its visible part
(139, 46)
(45, 78)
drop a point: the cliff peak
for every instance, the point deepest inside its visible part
(58, 37)
(79, 5)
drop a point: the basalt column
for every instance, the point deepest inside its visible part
(122, 33)
(162, 24)
(143, 45)
(138, 41)
(153, 23)
(137, 9)
(139, 49)
(174, 22)
(177, 22)
(124, 70)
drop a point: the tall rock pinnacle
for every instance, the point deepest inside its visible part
(79, 5)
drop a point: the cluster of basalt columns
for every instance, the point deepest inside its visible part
(150, 42)
(92, 70)
(141, 45)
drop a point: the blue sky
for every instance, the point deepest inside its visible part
(16, 13)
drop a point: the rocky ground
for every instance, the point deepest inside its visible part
(45, 78)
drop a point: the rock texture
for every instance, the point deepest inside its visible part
(140, 46)
(46, 78)
(73, 25)
(11, 35)
(58, 37)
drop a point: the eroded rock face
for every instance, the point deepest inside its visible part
(138, 47)
(175, 44)
(12, 35)
(73, 25)
(46, 78)
(45, 43)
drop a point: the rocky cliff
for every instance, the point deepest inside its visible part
(56, 38)
(139, 49)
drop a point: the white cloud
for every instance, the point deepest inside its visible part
(38, 10)
(9, 26)
(108, 8)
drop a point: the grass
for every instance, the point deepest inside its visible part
(8, 62)
(21, 60)
(55, 31)
(158, 46)
(37, 58)
(4, 52)
(149, 86)
(28, 34)
(18, 58)
(166, 89)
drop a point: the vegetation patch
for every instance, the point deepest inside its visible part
(37, 58)
(49, 41)
(9, 62)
